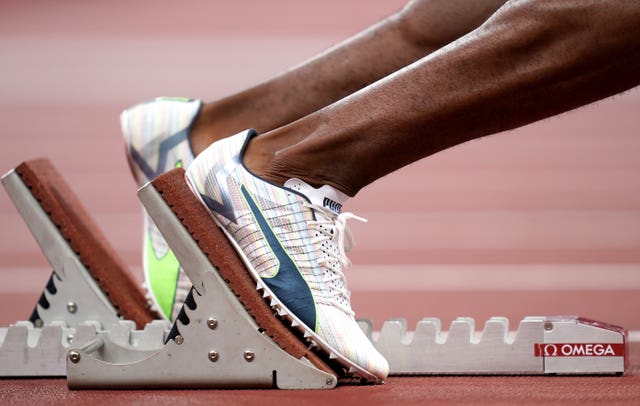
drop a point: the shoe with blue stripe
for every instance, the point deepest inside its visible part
(293, 241)
(157, 139)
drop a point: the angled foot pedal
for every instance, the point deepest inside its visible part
(89, 280)
(225, 336)
(541, 345)
(89, 283)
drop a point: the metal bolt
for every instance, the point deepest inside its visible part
(213, 356)
(212, 323)
(179, 339)
(74, 356)
(329, 381)
(548, 326)
(38, 323)
(72, 307)
(249, 355)
(70, 338)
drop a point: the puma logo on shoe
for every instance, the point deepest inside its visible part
(332, 205)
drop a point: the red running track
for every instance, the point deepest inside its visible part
(397, 391)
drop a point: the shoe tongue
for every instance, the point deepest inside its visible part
(325, 196)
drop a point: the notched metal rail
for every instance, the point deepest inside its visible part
(29, 351)
(540, 345)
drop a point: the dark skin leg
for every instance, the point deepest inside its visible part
(532, 59)
(422, 27)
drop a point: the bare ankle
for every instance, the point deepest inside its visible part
(258, 158)
(279, 168)
(201, 133)
(287, 153)
(211, 125)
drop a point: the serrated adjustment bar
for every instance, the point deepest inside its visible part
(540, 345)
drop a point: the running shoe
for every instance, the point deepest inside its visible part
(293, 241)
(157, 137)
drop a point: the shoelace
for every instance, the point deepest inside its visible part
(334, 226)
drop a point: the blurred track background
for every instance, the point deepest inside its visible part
(544, 219)
(538, 221)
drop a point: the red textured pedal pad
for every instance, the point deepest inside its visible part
(221, 255)
(85, 238)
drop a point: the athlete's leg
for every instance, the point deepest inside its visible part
(530, 60)
(166, 133)
(420, 28)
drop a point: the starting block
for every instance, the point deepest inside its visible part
(89, 281)
(89, 291)
(198, 351)
(226, 335)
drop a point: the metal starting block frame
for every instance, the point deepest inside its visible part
(216, 344)
(71, 294)
(72, 309)
(221, 348)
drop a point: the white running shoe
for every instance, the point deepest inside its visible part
(157, 137)
(292, 239)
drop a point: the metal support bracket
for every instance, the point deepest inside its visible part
(219, 348)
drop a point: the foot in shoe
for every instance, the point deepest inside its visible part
(292, 239)
(157, 139)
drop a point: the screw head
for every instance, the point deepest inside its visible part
(74, 356)
(38, 323)
(212, 323)
(548, 326)
(70, 338)
(179, 339)
(72, 307)
(329, 381)
(249, 355)
(213, 356)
